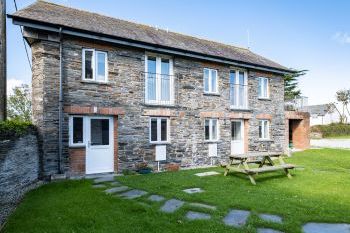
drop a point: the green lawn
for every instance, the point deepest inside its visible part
(338, 137)
(320, 192)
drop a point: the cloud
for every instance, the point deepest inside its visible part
(12, 83)
(341, 37)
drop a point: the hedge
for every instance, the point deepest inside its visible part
(334, 129)
(14, 128)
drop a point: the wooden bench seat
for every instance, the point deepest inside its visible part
(269, 168)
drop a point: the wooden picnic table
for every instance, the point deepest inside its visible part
(240, 163)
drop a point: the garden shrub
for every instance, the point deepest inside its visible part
(11, 129)
(331, 130)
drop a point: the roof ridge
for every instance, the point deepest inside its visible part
(142, 24)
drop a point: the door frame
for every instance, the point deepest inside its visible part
(242, 134)
(87, 128)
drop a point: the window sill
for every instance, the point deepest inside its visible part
(160, 143)
(94, 82)
(77, 146)
(211, 94)
(240, 109)
(262, 98)
(211, 141)
(171, 105)
(265, 140)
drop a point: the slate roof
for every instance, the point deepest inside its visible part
(53, 14)
(319, 110)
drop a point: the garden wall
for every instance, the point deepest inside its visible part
(19, 171)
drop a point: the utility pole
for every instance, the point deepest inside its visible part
(2, 60)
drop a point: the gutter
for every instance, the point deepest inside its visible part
(60, 110)
(154, 48)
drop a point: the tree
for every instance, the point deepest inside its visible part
(19, 106)
(291, 90)
(343, 97)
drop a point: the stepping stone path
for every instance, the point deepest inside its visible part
(200, 205)
(191, 215)
(326, 228)
(135, 193)
(156, 198)
(268, 230)
(96, 186)
(116, 189)
(172, 205)
(115, 183)
(193, 190)
(104, 179)
(236, 218)
(212, 173)
(271, 218)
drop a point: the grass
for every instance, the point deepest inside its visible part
(318, 192)
(338, 137)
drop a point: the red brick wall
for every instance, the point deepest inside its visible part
(77, 160)
(300, 123)
(115, 137)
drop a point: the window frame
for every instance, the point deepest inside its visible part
(159, 135)
(261, 86)
(267, 123)
(158, 74)
(94, 64)
(246, 93)
(71, 143)
(210, 88)
(210, 130)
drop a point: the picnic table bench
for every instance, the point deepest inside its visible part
(240, 163)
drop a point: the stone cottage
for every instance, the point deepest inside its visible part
(109, 94)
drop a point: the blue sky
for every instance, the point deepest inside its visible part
(312, 35)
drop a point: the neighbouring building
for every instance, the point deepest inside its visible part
(320, 114)
(109, 94)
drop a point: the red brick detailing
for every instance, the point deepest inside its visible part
(181, 114)
(300, 124)
(77, 160)
(158, 112)
(115, 137)
(246, 131)
(239, 115)
(212, 114)
(113, 111)
(264, 116)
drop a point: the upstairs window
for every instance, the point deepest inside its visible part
(264, 129)
(238, 89)
(159, 81)
(211, 130)
(263, 88)
(94, 65)
(210, 81)
(159, 130)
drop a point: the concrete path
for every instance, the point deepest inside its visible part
(331, 143)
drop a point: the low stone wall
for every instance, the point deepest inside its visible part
(19, 171)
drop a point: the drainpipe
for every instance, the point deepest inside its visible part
(60, 111)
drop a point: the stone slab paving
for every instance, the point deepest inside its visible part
(115, 183)
(193, 190)
(200, 205)
(271, 218)
(156, 198)
(104, 179)
(267, 230)
(134, 193)
(192, 215)
(313, 227)
(116, 189)
(172, 205)
(236, 218)
(96, 186)
(211, 173)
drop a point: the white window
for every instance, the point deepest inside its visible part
(95, 65)
(210, 81)
(238, 89)
(159, 130)
(211, 129)
(76, 131)
(264, 129)
(263, 88)
(159, 80)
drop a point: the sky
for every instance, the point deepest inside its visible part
(305, 35)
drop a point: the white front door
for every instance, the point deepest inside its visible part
(99, 148)
(237, 137)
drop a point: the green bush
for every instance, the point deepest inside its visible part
(14, 128)
(331, 130)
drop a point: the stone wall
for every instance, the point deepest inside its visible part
(19, 171)
(125, 90)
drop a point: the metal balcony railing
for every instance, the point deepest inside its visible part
(159, 89)
(238, 96)
(296, 104)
